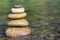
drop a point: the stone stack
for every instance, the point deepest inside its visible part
(18, 26)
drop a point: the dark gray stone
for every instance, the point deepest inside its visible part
(24, 38)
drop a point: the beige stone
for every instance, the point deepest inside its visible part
(17, 16)
(14, 31)
(20, 22)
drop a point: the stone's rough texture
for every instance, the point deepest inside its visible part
(17, 16)
(13, 32)
(20, 22)
(17, 10)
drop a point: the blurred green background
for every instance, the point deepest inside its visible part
(43, 15)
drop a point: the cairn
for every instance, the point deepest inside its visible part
(18, 26)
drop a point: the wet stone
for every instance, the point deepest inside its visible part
(19, 38)
(24, 38)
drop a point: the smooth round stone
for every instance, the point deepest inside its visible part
(14, 31)
(17, 10)
(20, 22)
(17, 16)
(17, 6)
